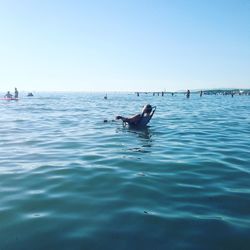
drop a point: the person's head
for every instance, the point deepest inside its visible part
(147, 109)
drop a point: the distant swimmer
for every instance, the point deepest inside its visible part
(8, 95)
(201, 93)
(16, 93)
(30, 94)
(106, 97)
(139, 120)
(188, 93)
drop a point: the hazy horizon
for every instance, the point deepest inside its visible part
(115, 91)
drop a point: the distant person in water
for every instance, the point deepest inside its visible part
(30, 94)
(16, 93)
(8, 95)
(201, 93)
(188, 93)
(139, 120)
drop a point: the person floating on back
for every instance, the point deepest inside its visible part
(8, 95)
(139, 120)
(16, 93)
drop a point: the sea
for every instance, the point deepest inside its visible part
(73, 177)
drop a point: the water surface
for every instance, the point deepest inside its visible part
(70, 181)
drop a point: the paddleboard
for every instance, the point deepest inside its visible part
(9, 99)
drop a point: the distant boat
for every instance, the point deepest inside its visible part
(30, 94)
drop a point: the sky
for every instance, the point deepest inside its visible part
(124, 45)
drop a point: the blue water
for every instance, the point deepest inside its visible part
(70, 181)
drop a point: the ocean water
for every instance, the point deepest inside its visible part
(70, 181)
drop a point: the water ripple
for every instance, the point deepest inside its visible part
(70, 181)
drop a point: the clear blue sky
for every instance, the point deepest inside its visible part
(124, 45)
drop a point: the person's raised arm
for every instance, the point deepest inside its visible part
(154, 108)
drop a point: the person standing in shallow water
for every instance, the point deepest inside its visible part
(8, 95)
(188, 93)
(201, 93)
(16, 93)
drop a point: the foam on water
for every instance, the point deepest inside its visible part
(70, 181)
